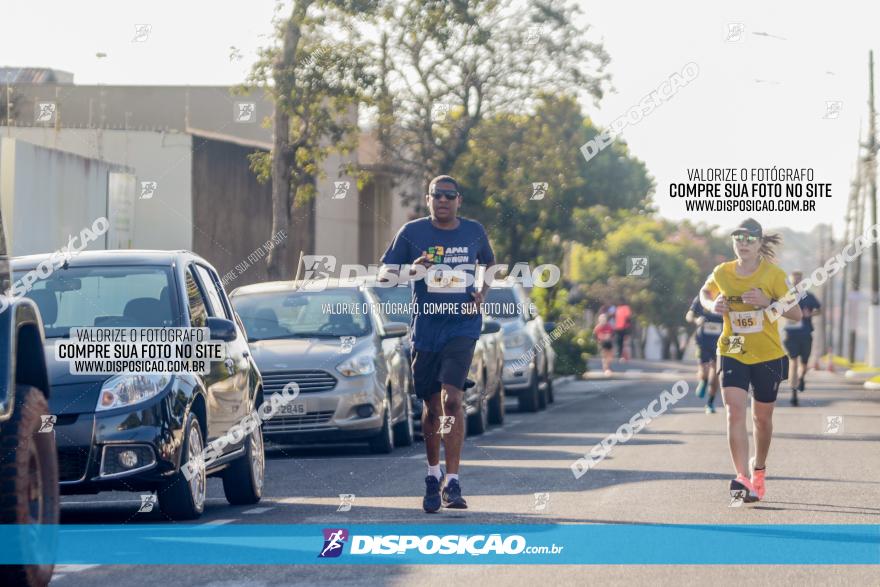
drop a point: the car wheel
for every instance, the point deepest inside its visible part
(404, 431)
(181, 498)
(383, 443)
(243, 479)
(542, 392)
(548, 380)
(478, 423)
(529, 399)
(496, 406)
(29, 487)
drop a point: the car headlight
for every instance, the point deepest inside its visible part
(362, 364)
(514, 340)
(125, 390)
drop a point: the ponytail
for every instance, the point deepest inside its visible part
(769, 242)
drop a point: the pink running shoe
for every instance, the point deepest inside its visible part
(758, 479)
(742, 488)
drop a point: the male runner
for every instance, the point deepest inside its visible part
(446, 325)
(799, 339)
(709, 327)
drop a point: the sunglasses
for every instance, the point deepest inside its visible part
(745, 238)
(445, 194)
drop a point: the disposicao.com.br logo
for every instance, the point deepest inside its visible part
(451, 544)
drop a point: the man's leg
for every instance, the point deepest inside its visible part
(454, 439)
(431, 413)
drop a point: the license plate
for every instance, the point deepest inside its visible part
(293, 409)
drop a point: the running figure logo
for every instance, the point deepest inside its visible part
(539, 190)
(541, 501)
(446, 423)
(833, 424)
(334, 540)
(47, 423)
(45, 112)
(148, 501)
(346, 500)
(735, 344)
(637, 267)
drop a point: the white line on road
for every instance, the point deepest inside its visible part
(257, 510)
(217, 522)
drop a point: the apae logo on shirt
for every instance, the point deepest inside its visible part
(448, 255)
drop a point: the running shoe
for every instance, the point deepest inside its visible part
(710, 409)
(701, 389)
(742, 488)
(431, 501)
(801, 384)
(452, 496)
(758, 479)
(794, 400)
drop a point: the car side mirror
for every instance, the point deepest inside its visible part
(394, 330)
(222, 329)
(490, 327)
(549, 327)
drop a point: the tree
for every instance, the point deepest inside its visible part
(455, 63)
(316, 84)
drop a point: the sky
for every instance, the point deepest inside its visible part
(759, 101)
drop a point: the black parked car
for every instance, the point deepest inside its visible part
(133, 432)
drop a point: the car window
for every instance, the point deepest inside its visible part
(502, 303)
(111, 296)
(215, 300)
(198, 313)
(292, 314)
(394, 303)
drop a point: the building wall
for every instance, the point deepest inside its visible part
(163, 221)
(49, 195)
(232, 211)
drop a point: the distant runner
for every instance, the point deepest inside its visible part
(750, 349)
(799, 339)
(709, 327)
(622, 329)
(604, 334)
(443, 342)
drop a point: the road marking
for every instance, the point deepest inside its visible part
(62, 571)
(288, 500)
(513, 422)
(257, 510)
(217, 522)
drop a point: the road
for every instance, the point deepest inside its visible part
(675, 471)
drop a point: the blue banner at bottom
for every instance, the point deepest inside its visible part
(585, 544)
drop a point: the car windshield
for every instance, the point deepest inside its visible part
(394, 302)
(124, 296)
(502, 303)
(303, 314)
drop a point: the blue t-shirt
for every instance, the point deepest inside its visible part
(445, 309)
(805, 326)
(707, 333)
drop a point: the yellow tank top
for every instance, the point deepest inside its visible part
(749, 335)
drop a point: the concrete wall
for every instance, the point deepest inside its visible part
(48, 195)
(163, 221)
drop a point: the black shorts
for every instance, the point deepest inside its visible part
(708, 351)
(763, 378)
(799, 346)
(607, 345)
(450, 366)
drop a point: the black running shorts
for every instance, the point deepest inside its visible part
(450, 366)
(763, 378)
(799, 346)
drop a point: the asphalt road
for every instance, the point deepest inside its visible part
(675, 471)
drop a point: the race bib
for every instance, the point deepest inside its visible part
(747, 322)
(712, 328)
(446, 281)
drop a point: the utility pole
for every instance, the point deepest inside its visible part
(848, 236)
(855, 296)
(873, 359)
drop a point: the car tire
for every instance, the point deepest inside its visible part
(548, 381)
(478, 422)
(179, 498)
(243, 479)
(383, 442)
(32, 470)
(404, 431)
(542, 392)
(496, 406)
(529, 399)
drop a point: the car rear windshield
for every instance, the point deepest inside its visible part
(395, 301)
(124, 296)
(502, 303)
(291, 314)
